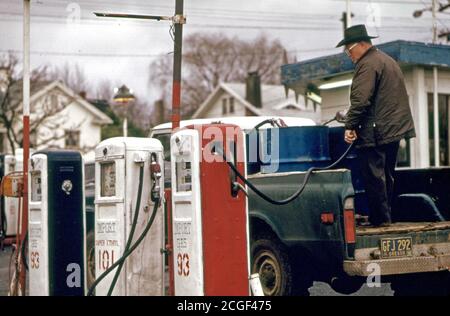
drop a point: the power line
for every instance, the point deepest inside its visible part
(300, 26)
(240, 14)
(134, 55)
(385, 1)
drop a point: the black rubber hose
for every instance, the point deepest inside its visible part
(329, 121)
(23, 252)
(133, 228)
(127, 253)
(270, 121)
(4, 223)
(300, 189)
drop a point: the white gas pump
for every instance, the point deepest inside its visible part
(56, 246)
(210, 220)
(120, 165)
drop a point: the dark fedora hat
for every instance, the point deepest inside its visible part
(355, 34)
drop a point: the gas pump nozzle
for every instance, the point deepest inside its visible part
(155, 171)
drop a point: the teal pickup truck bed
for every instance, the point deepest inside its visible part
(430, 251)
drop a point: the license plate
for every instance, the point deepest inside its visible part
(396, 247)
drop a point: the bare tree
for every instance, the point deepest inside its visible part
(105, 90)
(73, 76)
(209, 59)
(45, 118)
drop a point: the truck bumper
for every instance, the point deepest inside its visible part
(397, 266)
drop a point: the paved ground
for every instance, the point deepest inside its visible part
(4, 262)
(319, 289)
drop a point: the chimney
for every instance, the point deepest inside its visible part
(83, 94)
(160, 111)
(253, 89)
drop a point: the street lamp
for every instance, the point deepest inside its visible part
(124, 96)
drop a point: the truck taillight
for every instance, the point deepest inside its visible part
(349, 221)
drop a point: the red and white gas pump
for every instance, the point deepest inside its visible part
(210, 213)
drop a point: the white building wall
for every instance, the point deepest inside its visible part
(216, 109)
(81, 120)
(415, 85)
(73, 117)
(334, 100)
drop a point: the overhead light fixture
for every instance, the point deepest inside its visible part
(337, 84)
(316, 98)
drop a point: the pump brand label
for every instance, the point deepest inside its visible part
(35, 244)
(108, 227)
(182, 232)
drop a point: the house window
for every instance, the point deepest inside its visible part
(231, 105)
(72, 139)
(224, 106)
(443, 104)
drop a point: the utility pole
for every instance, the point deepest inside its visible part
(348, 17)
(176, 96)
(344, 20)
(433, 10)
(25, 142)
(178, 20)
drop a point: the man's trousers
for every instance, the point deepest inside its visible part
(377, 168)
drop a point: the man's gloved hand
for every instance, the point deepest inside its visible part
(350, 136)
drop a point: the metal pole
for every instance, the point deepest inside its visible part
(433, 9)
(125, 127)
(178, 41)
(348, 15)
(436, 118)
(437, 159)
(26, 135)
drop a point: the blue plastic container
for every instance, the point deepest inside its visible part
(293, 148)
(252, 145)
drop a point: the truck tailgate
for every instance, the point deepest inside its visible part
(430, 249)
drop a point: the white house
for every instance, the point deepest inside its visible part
(232, 99)
(68, 120)
(332, 76)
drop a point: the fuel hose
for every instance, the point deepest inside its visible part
(129, 251)
(133, 228)
(299, 190)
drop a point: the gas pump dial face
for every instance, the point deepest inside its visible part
(108, 179)
(184, 175)
(36, 187)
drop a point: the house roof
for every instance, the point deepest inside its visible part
(297, 76)
(273, 97)
(40, 88)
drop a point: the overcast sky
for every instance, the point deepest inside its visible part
(121, 50)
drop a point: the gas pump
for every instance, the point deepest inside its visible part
(10, 205)
(210, 220)
(56, 247)
(129, 185)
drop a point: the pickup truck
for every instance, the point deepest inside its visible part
(320, 236)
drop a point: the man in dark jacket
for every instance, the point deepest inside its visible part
(378, 118)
